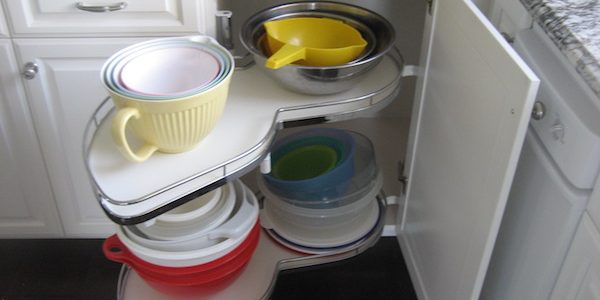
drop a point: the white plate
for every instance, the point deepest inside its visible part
(193, 209)
(239, 227)
(219, 214)
(326, 237)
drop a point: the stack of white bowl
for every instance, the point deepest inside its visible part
(212, 235)
(319, 220)
(169, 68)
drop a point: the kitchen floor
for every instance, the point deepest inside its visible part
(76, 269)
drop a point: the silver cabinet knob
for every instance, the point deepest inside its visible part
(30, 70)
(539, 111)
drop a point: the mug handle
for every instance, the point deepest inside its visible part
(119, 123)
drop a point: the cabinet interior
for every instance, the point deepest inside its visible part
(388, 127)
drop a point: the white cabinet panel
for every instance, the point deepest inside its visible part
(476, 97)
(63, 96)
(594, 204)
(3, 26)
(27, 207)
(580, 275)
(138, 17)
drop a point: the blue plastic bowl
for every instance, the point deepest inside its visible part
(325, 184)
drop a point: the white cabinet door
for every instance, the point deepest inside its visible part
(471, 115)
(3, 27)
(27, 207)
(63, 96)
(579, 278)
(593, 207)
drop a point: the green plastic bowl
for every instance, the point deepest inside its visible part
(312, 165)
(305, 162)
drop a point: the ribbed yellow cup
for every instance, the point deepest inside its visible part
(170, 126)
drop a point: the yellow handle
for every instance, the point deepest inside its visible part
(286, 55)
(119, 124)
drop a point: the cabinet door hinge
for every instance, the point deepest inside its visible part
(429, 6)
(403, 179)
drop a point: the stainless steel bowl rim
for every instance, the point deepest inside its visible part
(254, 25)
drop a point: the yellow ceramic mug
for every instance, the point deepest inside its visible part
(168, 125)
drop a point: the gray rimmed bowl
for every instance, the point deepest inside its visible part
(321, 80)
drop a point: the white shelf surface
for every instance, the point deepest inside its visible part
(255, 106)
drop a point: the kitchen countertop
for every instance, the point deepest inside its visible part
(574, 26)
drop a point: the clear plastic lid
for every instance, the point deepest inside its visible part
(350, 180)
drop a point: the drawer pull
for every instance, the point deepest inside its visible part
(100, 7)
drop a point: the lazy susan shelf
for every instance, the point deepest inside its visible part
(256, 108)
(258, 278)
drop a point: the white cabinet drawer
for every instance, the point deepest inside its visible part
(138, 17)
(3, 27)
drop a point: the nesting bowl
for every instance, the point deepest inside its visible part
(193, 219)
(196, 263)
(197, 280)
(335, 215)
(197, 208)
(320, 80)
(170, 92)
(340, 186)
(203, 247)
(297, 173)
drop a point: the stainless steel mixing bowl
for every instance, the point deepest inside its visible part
(321, 80)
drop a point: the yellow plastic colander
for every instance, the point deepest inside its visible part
(312, 42)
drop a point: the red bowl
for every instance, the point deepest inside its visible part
(204, 277)
(205, 283)
(196, 291)
(197, 280)
(237, 261)
(116, 251)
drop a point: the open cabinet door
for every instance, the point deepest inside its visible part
(470, 119)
